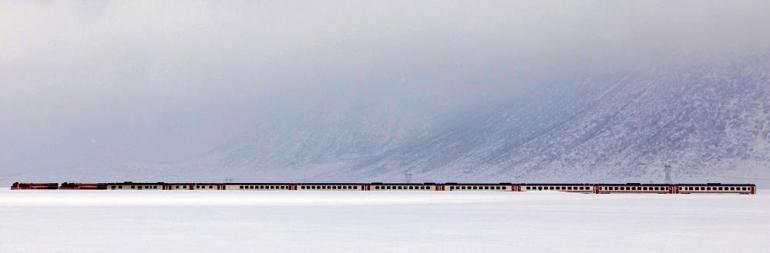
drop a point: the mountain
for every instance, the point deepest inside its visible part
(705, 121)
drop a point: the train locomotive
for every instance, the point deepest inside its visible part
(628, 188)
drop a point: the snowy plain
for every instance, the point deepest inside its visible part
(162, 221)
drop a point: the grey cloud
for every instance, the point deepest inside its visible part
(101, 82)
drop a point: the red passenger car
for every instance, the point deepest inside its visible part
(34, 186)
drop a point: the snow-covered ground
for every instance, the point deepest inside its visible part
(70, 221)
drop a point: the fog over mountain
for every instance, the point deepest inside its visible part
(375, 91)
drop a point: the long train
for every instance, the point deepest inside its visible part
(507, 187)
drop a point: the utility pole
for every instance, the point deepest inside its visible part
(667, 170)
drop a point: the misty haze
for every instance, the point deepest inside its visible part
(362, 91)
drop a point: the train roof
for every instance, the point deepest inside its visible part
(414, 184)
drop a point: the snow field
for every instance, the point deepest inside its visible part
(162, 221)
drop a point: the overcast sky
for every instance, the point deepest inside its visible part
(91, 83)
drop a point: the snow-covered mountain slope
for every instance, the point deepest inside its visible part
(709, 121)
(705, 121)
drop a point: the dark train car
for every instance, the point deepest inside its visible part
(135, 186)
(717, 188)
(479, 187)
(83, 186)
(636, 188)
(377, 186)
(205, 186)
(577, 188)
(258, 186)
(331, 186)
(34, 186)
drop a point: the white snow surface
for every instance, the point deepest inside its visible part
(219, 221)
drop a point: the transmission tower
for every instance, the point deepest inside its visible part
(408, 176)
